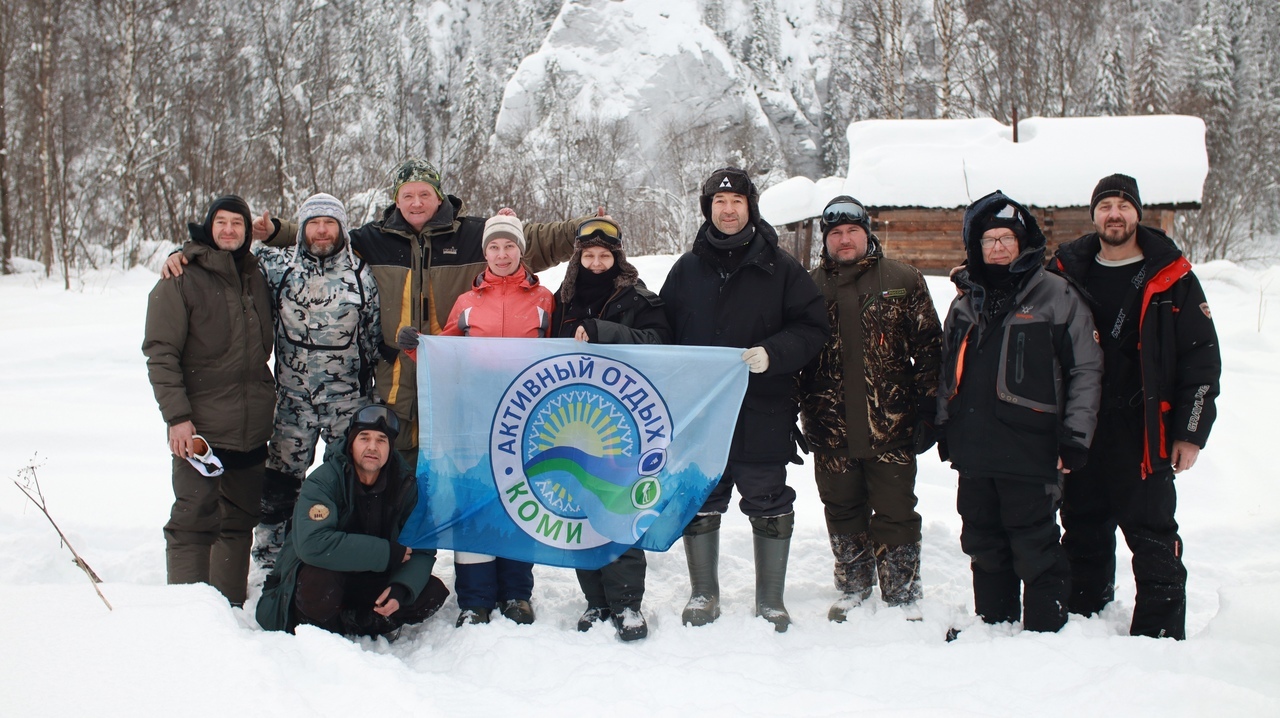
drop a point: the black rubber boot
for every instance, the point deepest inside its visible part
(772, 538)
(702, 550)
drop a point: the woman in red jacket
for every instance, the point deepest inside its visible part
(506, 300)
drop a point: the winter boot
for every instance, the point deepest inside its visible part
(772, 538)
(702, 551)
(855, 573)
(518, 610)
(592, 616)
(363, 622)
(899, 571)
(268, 539)
(630, 624)
(472, 617)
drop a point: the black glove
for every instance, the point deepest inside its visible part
(397, 555)
(943, 454)
(1073, 457)
(925, 436)
(407, 339)
(400, 594)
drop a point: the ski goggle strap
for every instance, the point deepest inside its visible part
(602, 229)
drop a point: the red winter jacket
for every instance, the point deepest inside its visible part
(512, 306)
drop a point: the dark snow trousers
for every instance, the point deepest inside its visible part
(1105, 495)
(210, 527)
(617, 586)
(1011, 536)
(762, 486)
(876, 496)
(341, 602)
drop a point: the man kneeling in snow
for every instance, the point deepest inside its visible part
(341, 567)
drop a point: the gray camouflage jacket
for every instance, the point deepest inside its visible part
(327, 322)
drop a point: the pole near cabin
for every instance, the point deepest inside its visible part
(1015, 124)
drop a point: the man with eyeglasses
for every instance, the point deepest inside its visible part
(207, 341)
(424, 252)
(341, 568)
(867, 402)
(737, 288)
(1158, 392)
(1017, 405)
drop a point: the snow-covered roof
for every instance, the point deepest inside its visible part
(1055, 163)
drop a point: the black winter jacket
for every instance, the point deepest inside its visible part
(1178, 345)
(1020, 384)
(768, 301)
(633, 315)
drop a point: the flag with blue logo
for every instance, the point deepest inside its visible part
(567, 453)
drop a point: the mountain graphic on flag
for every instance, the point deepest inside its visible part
(609, 491)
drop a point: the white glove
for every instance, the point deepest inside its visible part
(757, 359)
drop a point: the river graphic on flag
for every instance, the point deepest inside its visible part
(566, 453)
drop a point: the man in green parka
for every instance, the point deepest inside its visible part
(342, 568)
(207, 340)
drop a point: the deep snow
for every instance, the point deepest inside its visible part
(75, 394)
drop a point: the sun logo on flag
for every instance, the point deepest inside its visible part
(585, 430)
(587, 420)
(578, 448)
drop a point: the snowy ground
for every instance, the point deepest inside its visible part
(75, 396)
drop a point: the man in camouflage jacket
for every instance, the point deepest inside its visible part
(867, 405)
(328, 332)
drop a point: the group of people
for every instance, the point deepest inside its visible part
(854, 349)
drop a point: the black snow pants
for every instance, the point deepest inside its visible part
(617, 586)
(1109, 492)
(1011, 537)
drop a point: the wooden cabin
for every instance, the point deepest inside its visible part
(917, 176)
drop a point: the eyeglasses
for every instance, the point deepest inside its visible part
(1004, 240)
(379, 417)
(601, 229)
(844, 213)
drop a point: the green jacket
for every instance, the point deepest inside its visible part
(878, 373)
(208, 338)
(321, 536)
(420, 276)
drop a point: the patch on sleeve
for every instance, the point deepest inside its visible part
(1204, 307)
(319, 512)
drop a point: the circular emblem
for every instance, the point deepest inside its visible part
(319, 512)
(576, 445)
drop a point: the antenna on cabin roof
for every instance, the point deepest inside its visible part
(1015, 124)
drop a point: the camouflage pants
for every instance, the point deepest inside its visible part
(299, 424)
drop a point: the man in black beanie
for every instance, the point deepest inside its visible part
(737, 288)
(1159, 385)
(207, 340)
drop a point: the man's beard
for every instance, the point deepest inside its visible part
(329, 251)
(1114, 242)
